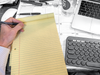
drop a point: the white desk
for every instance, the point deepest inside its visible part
(63, 23)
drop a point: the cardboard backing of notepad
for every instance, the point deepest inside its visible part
(37, 50)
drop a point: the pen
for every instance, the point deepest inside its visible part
(8, 23)
(29, 13)
(44, 0)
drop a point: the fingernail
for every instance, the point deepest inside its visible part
(22, 23)
(22, 30)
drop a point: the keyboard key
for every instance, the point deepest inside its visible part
(85, 53)
(73, 61)
(71, 51)
(83, 44)
(91, 64)
(97, 46)
(70, 43)
(98, 51)
(69, 61)
(84, 58)
(98, 60)
(76, 47)
(79, 57)
(78, 44)
(83, 63)
(89, 59)
(71, 47)
(87, 45)
(72, 56)
(77, 52)
(95, 55)
(74, 43)
(85, 49)
(94, 60)
(78, 62)
(81, 48)
(82, 53)
(89, 49)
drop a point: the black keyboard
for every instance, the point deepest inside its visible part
(89, 9)
(82, 52)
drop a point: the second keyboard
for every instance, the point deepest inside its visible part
(82, 52)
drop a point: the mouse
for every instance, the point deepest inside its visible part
(9, 13)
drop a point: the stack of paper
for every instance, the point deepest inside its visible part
(37, 50)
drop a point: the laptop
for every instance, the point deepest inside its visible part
(87, 16)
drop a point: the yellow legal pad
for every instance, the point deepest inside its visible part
(37, 50)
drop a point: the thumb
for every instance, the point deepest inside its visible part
(18, 27)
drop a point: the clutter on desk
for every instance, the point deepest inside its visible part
(8, 1)
(33, 3)
(68, 7)
(44, 0)
(30, 13)
(10, 11)
(36, 2)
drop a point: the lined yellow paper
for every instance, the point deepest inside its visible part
(37, 50)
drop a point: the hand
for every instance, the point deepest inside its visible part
(8, 33)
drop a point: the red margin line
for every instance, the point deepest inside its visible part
(19, 57)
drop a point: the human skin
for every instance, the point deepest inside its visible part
(8, 33)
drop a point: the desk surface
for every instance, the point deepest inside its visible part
(63, 23)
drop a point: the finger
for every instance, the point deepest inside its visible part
(22, 30)
(4, 26)
(11, 19)
(9, 26)
(18, 27)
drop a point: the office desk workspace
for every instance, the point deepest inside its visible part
(81, 53)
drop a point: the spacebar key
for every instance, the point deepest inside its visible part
(90, 64)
